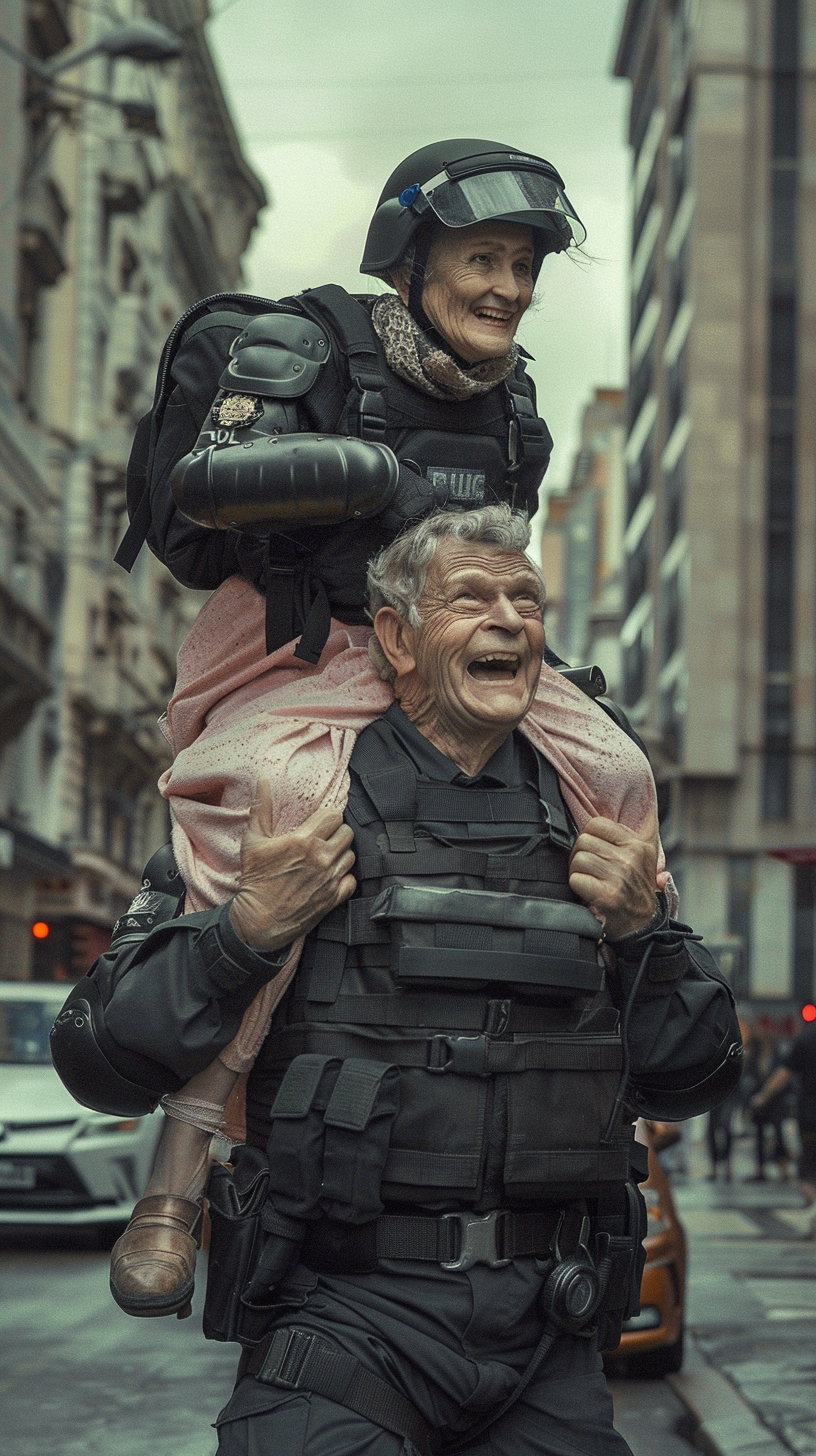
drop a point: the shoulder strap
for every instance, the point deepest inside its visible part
(351, 325)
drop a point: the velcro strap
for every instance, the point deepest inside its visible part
(293, 1359)
(297, 1091)
(483, 907)
(546, 865)
(432, 1010)
(461, 1055)
(355, 1092)
(351, 924)
(421, 966)
(452, 805)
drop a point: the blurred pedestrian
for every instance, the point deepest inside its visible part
(799, 1062)
(763, 1058)
(719, 1133)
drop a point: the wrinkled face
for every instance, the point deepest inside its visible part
(479, 283)
(478, 653)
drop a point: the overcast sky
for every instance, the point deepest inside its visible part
(329, 95)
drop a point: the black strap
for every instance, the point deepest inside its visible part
(462, 1239)
(351, 323)
(498, 869)
(293, 1359)
(474, 1056)
(407, 1010)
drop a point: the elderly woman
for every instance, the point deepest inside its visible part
(382, 409)
(337, 421)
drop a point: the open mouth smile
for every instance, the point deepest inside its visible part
(495, 667)
(493, 316)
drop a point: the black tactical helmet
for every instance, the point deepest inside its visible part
(466, 181)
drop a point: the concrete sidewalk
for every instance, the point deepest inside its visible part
(749, 1378)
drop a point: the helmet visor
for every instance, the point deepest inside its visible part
(513, 196)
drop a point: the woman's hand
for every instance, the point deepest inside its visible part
(290, 881)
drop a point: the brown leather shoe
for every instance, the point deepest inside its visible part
(153, 1263)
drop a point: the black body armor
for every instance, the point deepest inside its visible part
(311, 365)
(465, 961)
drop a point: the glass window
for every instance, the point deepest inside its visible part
(24, 1028)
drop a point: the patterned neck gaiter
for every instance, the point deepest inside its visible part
(415, 359)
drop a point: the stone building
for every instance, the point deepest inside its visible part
(720, 518)
(126, 210)
(582, 544)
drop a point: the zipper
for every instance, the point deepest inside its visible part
(198, 308)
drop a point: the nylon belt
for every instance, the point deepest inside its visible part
(454, 1240)
(293, 1359)
(475, 1056)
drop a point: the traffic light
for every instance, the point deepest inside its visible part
(809, 1012)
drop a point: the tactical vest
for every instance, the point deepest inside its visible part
(476, 973)
(493, 447)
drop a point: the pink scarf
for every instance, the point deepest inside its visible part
(238, 715)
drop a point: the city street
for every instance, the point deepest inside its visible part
(79, 1377)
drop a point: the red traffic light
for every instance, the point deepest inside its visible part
(809, 1012)
(40, 930)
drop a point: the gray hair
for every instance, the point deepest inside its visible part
(397, 575)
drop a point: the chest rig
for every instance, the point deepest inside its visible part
(464, 961)
(491, 448)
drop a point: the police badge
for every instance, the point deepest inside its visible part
(235, 411)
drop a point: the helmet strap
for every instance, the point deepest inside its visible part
(416, 287)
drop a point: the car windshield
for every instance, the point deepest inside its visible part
(24, 1028)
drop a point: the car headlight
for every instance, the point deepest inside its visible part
(109, 1125)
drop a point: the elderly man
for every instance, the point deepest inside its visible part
(485, 998)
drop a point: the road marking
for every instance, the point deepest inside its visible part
(716, 1223)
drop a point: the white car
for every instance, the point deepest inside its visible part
(60, 1163)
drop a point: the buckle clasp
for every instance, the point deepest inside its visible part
(478, 1241)
(284, 1360)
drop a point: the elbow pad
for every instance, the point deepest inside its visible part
(318, 480)
(667, 1103)
(97, 1072)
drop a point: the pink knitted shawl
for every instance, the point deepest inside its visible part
(238, 715)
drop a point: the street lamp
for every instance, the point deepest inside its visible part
(142, 40)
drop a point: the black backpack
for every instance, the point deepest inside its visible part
(190, 368)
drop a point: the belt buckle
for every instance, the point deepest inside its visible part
(478, 1243)
(283, 1350)
(465, 1055)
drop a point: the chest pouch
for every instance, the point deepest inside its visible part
(358, 1123)
(449, 939)
(295, 1145)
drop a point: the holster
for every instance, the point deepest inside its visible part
(236, 1199)
(619, 1237)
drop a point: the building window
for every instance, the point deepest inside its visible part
(673, 491)
(637, 571)
(678, 269)
(804, 933)
(635, 671)
(780, 522)
(638, 475)
(640, 383)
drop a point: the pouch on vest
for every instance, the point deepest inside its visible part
(236, 1198)
(295, 1146)
(358, 1122)
(470, 939)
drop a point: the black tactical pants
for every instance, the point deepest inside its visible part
(455, 1344)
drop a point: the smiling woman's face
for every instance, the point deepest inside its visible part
(479, 283)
